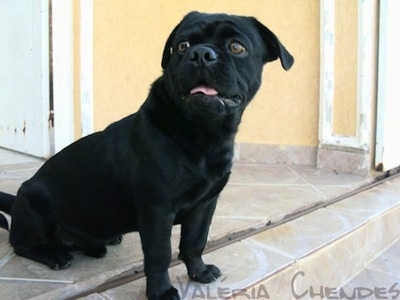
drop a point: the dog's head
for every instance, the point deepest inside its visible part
(213, 62)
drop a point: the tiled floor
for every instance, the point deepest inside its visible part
(307, 258)
(256, 195)
(380, 279)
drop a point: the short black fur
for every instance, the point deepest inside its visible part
(164, 165)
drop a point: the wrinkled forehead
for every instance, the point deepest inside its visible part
(208, 27)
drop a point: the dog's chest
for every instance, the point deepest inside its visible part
(200, 188)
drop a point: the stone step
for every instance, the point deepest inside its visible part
(315, 256)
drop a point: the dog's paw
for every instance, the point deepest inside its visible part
(61, 263)
(58, 260)
(205, 274)
(55, 258)
(170, 294)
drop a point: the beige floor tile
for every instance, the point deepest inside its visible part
(12, 175)
(383, 231)
(264, 175)
(308, 233)
(372, 285)
(278, 286)
(29, 166)
(242, 265)
(332, 265)
(380, 279)
(369, 203)
(388, 262)
(392, 186)
(5, 248)
(271, 203)
(329, 192)
(316, 176)
(10, 157)
(25, 290)
(10, 186)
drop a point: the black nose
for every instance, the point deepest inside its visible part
(202, 55)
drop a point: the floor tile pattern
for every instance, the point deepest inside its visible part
(255, 196)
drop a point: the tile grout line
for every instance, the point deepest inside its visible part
(295, 260)
(17, 279)
(6, 259)
(267, 184)
(308, 182)
(134, 273)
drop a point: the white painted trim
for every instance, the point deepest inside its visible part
(63, 84)
(327, 70)
(388, 104)
(365, 77)
(86, 65)
(382, 74)
(44, 77)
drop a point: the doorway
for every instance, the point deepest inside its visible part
(24, 80)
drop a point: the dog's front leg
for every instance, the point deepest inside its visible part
(194, 234)
(155, 233)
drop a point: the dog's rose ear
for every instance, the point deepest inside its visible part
(274, 48)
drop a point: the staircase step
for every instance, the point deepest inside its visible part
(310, 257)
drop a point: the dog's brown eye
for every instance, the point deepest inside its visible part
(237, 48)
(183, 46)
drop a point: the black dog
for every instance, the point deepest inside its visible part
(164, 165)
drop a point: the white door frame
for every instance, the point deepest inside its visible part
(388, 107)
(86, 66)
(63, 71)
(365, 77)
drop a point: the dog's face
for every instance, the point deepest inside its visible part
(213, 62)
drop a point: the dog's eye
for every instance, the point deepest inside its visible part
(183, 46)
(237, 48)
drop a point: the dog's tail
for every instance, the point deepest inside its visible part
(6, 201)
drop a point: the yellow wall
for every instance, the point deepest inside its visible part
(77, 106)
(345, 90)
(129, 38)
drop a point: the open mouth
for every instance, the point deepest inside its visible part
(203, 89)
(211, 94)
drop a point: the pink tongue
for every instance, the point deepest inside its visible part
(205, 90)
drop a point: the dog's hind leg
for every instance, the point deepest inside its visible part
(34, 235)
(55, 257)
